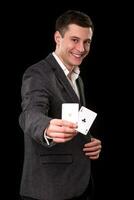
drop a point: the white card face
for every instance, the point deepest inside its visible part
(70, 112)
(85, 120)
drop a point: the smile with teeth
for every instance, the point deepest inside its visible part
(77, 55)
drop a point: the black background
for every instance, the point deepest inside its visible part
(28, 38)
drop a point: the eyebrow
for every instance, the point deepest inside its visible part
(75, 37)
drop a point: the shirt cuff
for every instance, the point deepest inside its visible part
(47, 138)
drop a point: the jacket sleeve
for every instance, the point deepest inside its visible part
(35, 105)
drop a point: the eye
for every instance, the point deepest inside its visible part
(88, 42)
(75, 40)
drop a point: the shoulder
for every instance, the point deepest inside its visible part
(41, 68)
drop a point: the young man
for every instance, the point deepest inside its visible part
(57, 159)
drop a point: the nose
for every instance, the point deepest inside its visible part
(81, 47)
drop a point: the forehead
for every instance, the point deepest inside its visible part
(78, 31)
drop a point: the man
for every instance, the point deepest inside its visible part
(57, 159)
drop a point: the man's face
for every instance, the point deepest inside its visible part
(74, 46)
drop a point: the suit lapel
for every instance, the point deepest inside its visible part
(81, 91)
(62, 78)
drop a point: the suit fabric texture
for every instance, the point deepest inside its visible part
(56, 171)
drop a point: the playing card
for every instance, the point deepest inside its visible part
(85, 120)
(70, 112)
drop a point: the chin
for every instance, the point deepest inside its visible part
(77, 63)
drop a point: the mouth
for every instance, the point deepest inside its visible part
(77, 55)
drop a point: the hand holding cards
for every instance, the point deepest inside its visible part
(83, 117)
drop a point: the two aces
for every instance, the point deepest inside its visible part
(83, 117)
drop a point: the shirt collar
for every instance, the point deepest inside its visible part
(75, 73)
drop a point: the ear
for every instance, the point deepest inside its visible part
(57, 37)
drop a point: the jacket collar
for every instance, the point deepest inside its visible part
(60, 75)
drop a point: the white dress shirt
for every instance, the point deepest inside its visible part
(72, 80)
(73, 76)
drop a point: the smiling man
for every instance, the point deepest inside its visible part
(57, 159)
(73, 45)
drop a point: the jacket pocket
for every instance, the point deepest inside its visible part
(56, 158)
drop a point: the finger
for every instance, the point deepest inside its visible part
(65, 123)
(94, 157)
(93, 144)
(95, 148)
(95, 153)
(61, 135)
(62, 140)
(59, 129)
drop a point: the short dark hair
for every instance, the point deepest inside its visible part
(72, 17)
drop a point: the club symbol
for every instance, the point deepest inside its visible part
(84, 120)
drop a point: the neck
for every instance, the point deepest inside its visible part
(70, 69)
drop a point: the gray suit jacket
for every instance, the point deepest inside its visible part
(59, 171)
